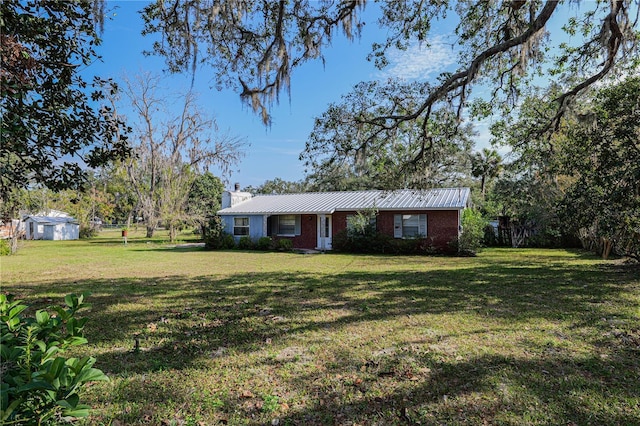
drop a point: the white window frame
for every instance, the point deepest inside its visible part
(242, 226)
(400, 225)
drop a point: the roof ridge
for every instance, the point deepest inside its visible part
(364, 190)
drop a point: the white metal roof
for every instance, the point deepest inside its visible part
(51, 219)
(328, 202)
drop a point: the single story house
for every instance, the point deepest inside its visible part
(311, 219)
(51, 228)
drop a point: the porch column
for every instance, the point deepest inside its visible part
(323, 218)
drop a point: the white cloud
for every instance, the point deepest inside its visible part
(420, 60)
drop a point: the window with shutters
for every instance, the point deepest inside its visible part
(410, 225)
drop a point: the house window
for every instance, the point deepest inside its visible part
(410, 225)
(287, 224)
(240, 226)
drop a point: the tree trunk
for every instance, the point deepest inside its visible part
(607, 245)
(172, 233)
(150, 230)
(13, 238)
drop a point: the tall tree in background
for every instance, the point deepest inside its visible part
(256, 45)
(115, 180)
(51, 129)
(278, 186)
(486, 165)
(365, 156)
(170, 151)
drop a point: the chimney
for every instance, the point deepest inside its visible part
(232, 198)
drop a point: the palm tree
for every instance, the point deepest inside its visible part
(487, 165)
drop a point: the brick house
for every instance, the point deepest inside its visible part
(312, 219)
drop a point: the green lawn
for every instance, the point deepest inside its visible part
(513, 337)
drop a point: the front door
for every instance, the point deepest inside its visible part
(324, 232)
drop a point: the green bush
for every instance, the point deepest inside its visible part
(245, 243)
(5, 248)
(285, 244)
(264, 244)
(87, 232)
(490, 239)
(470, 240)
(376, 242)
(214, 236)
(38, 385)
(228, 242)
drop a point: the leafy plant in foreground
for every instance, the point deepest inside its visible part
(39, 386)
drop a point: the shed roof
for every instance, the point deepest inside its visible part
(51, 220)
(329, 202)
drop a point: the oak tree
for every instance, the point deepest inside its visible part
(348, 150)
(255, 46)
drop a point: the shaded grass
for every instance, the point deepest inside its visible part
(509, 337)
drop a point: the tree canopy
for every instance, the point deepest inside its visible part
(603, 154)
(256, 45)
(53, 126)
(346, 142)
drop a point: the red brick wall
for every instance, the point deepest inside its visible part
(442, 225)
(308, 232)
(339, 221)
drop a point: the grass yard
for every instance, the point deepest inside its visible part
(511, 337)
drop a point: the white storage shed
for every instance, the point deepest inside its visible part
(51, 228)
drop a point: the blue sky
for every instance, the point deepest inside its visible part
(274, 151)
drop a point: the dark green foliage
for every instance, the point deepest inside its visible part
(51, 125)
(245, 243)
(603, 153)
(87, 231)
(490, 239)
(228, 242)
(264, 244)
(204, 199)
(348, 151)
(38, 385)
(285, 244)
(376, 242)
(486, 165)
(529, 201)
(214, 236)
